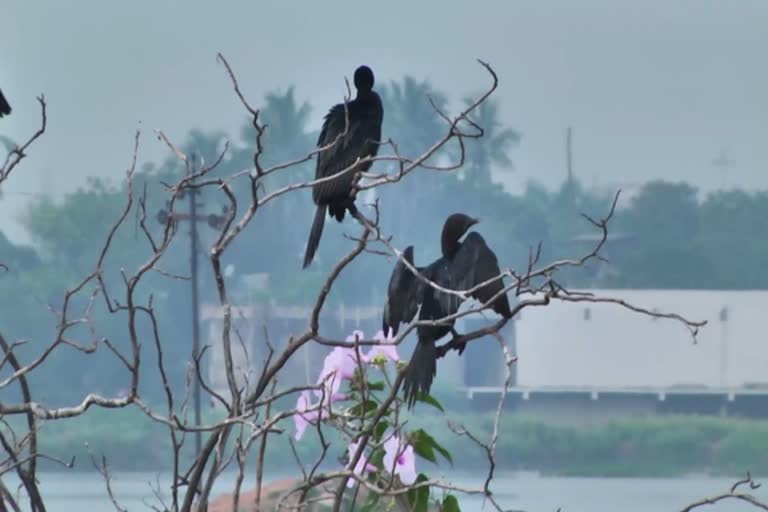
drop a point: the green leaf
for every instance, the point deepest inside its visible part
(425, 445)
(451, 504)
(429, 399)
(379, 430)
(356, 385)
(376, 386)
(370, 503)
(445, 453)
(362, 409)
(419, 498)
(377, 458)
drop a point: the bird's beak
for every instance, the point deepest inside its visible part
(474, 221)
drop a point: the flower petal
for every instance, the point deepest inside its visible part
(302, 418)
(362, 465)
(390, 351)
(339, 364)
(407, 467)
(391, 447)
(400, 460)
(386, 349)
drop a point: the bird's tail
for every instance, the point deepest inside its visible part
(5, 108)
(420, 372)
(501, 306)
(315, 234)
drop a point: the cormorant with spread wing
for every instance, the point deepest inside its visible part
(5, 108)
(463, 266)
(366, 114)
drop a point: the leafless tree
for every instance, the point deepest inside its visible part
(251, 414)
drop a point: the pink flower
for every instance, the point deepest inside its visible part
(302, 418)
(329, 393)
(386, 350)
(338, 365)
(362, 465)
(400, 460)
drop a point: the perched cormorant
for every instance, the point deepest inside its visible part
(366, 114)
(463, 266)
(5, 108)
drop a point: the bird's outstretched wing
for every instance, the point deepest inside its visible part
(438, 304)
(476, 263)
(361, 140)
(435, 305)
(404, 294)
(5, 108)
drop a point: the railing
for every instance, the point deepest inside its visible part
(595, 391)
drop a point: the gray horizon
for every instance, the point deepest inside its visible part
(656, 90)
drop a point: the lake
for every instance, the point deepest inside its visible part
(71, 492)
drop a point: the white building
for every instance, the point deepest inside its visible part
(606, 345)
(566, 351)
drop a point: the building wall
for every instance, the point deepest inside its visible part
(563, 344)
(485, 359)
(567, 344)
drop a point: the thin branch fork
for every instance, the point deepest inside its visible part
(18, 153)
(734, 494)
(246, 419)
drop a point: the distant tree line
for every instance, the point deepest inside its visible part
(663, 237)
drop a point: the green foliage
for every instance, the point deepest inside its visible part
(674, 240)
(378, 432)
(426, 446)
(418, 498)
(493, 148)
(451, 504)
(364, 409)
(641, 447)
(17, 258)
(666, 236)
(371, 503)
(664, 219)
(430, 400)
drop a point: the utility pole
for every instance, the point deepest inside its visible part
(570, 179)
(724, 164)
(195, 308)
(568, 154)
(215, 222)
(723, 347)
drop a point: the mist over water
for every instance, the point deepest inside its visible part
(74, 492)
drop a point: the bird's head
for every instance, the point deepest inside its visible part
(408, 254)
(363, 78)
(459, 223)
(454, 228)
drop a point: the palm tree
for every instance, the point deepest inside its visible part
(286, 136)
(409, 118)
(412, 123)
(493, 147)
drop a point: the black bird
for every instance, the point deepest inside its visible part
(463, 266)
(366, 114)
(5, 108)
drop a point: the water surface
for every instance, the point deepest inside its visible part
(75, 492)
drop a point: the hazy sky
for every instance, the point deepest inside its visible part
(653, 89)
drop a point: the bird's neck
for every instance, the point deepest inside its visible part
(365, 95)
(449, 245)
